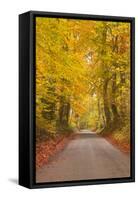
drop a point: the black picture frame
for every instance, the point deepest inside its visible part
(27, 99)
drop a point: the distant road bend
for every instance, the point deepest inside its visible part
(88, 156)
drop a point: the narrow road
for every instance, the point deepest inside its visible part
(88, 156)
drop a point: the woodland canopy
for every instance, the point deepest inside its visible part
(82, 76)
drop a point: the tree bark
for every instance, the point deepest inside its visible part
(64, 112)
(106, 104)
(113, 101)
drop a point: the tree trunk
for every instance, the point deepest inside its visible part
(101, 120)
(64, 112)
(113, 102)
(106, 104)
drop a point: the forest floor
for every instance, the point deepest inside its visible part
(47, 148)
(122, 144)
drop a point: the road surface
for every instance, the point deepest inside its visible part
(88, 156)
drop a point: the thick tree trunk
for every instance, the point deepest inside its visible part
(67, 112)
(101, 120)
(113, 102)
(106, 104)
(64, 112)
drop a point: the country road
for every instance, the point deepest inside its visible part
(88, 156)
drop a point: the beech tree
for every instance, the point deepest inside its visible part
(82, 75)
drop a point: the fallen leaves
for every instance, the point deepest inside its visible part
(123, 145)
(46, 149)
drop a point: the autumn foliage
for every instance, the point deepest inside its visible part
(82, 78)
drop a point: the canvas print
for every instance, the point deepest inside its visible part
(83, 70)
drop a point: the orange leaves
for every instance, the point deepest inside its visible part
(73, 60)
(46, 149)
(123, 145)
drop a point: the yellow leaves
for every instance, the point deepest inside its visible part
(62, 67)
